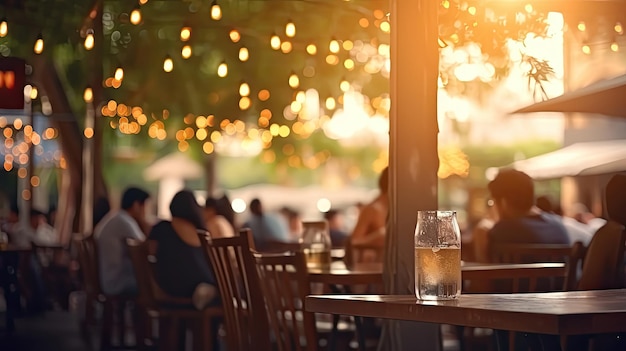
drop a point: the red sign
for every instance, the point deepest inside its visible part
(12, 81)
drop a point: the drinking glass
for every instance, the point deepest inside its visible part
(437, 256)
(316, 246)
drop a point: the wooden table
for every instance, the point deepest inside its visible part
(559, 313)
(372, 273)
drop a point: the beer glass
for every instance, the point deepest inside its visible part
(316, 246)
(437, 256)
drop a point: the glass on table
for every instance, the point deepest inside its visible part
(437, 256)
(317, 246)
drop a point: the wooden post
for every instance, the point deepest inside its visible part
(413, 157)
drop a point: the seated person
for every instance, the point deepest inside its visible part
(182, 269)
(519, 221)
(216, 224)
(266, 228)
(370, 228)
(116, 270)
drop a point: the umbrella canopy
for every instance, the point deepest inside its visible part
(606, 97)
(176, 165)
(580, 159)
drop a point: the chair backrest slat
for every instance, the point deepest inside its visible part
(88, 260)
(285, 284)
(244, 308)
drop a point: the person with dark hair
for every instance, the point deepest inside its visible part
(216, 224)
(266, 228)
(182, 269)
(116, 270)
(225, 209)
(370, 227)
(513, 194)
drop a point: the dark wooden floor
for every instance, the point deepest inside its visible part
(51, 331)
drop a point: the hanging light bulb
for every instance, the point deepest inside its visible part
(344, 85)
(38, 45)
(222, 70)
(4, 28)
(275, 42)
(290, 29)
(89, 40)
(119, 74)
(186, 52)
(185, 33)
(234, 35)
(614, 47)
(586, 49)
(216, 11)
(582, 26)
(334, 46)
(294, 81)
(618, 29)
(244, 55)
(88, 95)
(168, 64)
(244, 89)
(135, 16)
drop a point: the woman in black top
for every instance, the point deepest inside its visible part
(182, 269)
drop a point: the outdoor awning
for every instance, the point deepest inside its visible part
(606, 97)
(580, 159)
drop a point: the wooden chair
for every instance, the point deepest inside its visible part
(57, 271)
(603, 263)
(529, 253)
(284, 284)
(172, 312)
(357, 253)
(234, 266)
(113, 306)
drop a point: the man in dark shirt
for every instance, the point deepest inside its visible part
(520, 222)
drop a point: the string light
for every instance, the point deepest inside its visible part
(135, 16)
(89, 40)
(222, 70)
(614, 47)
(311, 49)
(168, 64)
(33, 93)
(294, 81)
(38, 45)
(586, 49)
(234, 36)
(334, 46)
(582, 26)
(275, 42)
(185, 33)
(216, 11)
(186, 52)
(4, 28)
(244, 55)
(290, 29)
(618, 28)
(244, 89)
(119, 74)
(88, 95)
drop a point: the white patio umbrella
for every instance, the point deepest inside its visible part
(606, 97)
(580, 159)
(171, 171)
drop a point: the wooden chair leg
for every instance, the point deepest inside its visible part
(204, 335)
(141, 327)
(120, 313)
(106, 331)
